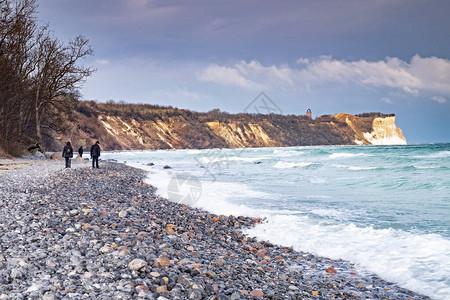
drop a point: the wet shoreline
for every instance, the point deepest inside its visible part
(82, 233)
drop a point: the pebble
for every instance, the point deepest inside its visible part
(257, 293)
(155, 274)
(49, 296)
(162, 262)
(331, 270)
(195, 295)
(104, 234)
(136, 264)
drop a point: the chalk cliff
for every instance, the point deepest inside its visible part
(374, 130)
(121, 127)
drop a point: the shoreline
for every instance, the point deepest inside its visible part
(102, 233)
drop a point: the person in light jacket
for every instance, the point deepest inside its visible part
(68, 154)
(95, 153)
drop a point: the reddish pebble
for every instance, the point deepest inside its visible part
(141, 288)
(331, 270)
(261, 252)
(162, 262)
(278, 258)
(250, 248)
(257, 293)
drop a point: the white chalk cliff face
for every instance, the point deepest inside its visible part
(373, 130)
(385, 132)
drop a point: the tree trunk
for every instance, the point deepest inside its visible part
(37, 119)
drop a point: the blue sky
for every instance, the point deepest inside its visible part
(330, 56)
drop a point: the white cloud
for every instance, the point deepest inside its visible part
(303, 61)
(250, 76)
(439, 99)
(420, 75)
(232, 76)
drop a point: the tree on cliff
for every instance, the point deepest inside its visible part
(39, 74)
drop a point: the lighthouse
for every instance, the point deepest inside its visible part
(308, 114)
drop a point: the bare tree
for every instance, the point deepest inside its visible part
(17, 29)
(39, 74)
(57, 75)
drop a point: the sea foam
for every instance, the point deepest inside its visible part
(288, 165)
(422, 267)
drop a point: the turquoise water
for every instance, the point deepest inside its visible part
(384, 208)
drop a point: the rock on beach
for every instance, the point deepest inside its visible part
(85, 233)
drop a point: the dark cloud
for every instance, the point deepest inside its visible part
(195, 29)
(157, 51)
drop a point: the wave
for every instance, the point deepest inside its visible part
(317, 180)
(416, 262)
(327, 212)
(215, 198)
(423, 168)
(426, 167)
(409, 259)
(289, 165)
(195, 151)
(285, 153)
(219, 158)
(441, 154)
(346, 155)
(355, 168)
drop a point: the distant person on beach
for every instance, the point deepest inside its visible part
(95, 153)
(68, 154)
(80, 151)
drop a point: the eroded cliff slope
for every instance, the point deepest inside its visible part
(122, 127)
(374, 130)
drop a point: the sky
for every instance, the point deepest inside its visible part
(353, 56)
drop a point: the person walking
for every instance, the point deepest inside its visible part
(95, 153)
(80, 151)
(68, 154)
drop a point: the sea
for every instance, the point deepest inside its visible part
(384, 208)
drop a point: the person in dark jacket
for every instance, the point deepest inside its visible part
(95, 153)
(80, 151)
(68, 154)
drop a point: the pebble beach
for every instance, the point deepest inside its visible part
(84, 233)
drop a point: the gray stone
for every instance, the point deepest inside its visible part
(49, 296)
(195, 295)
